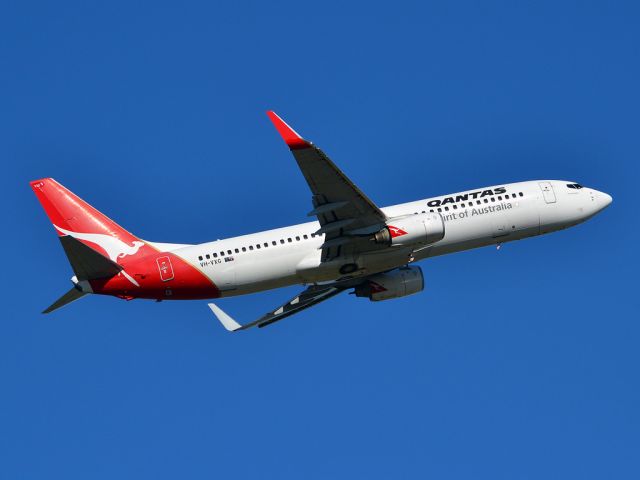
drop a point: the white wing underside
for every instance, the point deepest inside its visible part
(311, 296)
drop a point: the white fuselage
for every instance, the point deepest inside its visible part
(475, 218)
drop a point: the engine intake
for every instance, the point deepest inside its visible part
(424, 228)
(397, 283)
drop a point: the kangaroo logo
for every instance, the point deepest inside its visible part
(376, 287)
(395, 231)
(114, 247)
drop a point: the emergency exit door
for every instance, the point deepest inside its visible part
(547, 191)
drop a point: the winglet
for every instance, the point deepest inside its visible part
(288, 134)
(229, 323)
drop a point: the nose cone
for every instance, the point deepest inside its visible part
(604, 199)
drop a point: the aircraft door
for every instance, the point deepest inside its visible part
(547, 191)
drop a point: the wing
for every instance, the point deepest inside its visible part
(308, 298)
(345, 213)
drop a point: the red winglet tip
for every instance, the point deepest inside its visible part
(288, 134)
(37, 184)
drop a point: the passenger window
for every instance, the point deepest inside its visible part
(486, 201)
(446, 208)
(281, 240)
(274, 243)
(305, 237)
(258, 246)
(250, 247)
(499, 198)
(493, 199)
(244, 249)
(298, 239)
(455, 207)
(237, 250)
(439, 209)
(289, 240)
(521, 194)
(200, 257)
(266, 244)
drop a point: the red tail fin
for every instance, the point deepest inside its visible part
(73, 216)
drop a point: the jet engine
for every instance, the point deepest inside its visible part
(423, 228)
(394, 284)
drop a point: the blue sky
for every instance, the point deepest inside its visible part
(520, 363)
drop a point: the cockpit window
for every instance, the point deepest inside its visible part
(575, 186)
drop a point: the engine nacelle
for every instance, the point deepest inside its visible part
(397, 283)
(421, 229)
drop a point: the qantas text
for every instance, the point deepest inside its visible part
(463, 197)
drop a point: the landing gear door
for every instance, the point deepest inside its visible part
(547, 191)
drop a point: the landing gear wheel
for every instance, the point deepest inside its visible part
(348, 268)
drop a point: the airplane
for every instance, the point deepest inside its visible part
(352, 245)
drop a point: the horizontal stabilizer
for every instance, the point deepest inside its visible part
(87, 263)
(71, 296)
